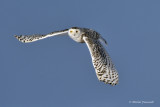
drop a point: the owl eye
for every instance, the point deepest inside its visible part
(76, 31)
(71, 31)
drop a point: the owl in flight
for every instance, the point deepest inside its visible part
(101, 60)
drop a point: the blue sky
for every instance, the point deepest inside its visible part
(58, 71)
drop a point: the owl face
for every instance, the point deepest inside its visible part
(76, 34)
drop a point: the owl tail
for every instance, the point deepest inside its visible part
(103, 40)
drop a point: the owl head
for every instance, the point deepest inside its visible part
(76, 34)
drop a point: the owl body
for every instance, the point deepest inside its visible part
(77, 34)
(105, 69)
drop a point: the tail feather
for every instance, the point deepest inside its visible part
(103, 40)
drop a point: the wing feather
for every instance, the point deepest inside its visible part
(102, 63)
(33, 38)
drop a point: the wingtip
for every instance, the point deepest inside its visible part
(112, 84)
(19, 38)
(16, 36)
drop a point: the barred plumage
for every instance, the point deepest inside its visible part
(101, 60)
(32, 38)
(102, 63)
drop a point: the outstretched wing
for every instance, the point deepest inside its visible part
(102, 63)
(32, 38)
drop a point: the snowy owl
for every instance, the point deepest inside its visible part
(101, 60)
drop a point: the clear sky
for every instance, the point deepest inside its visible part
(58, 72)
